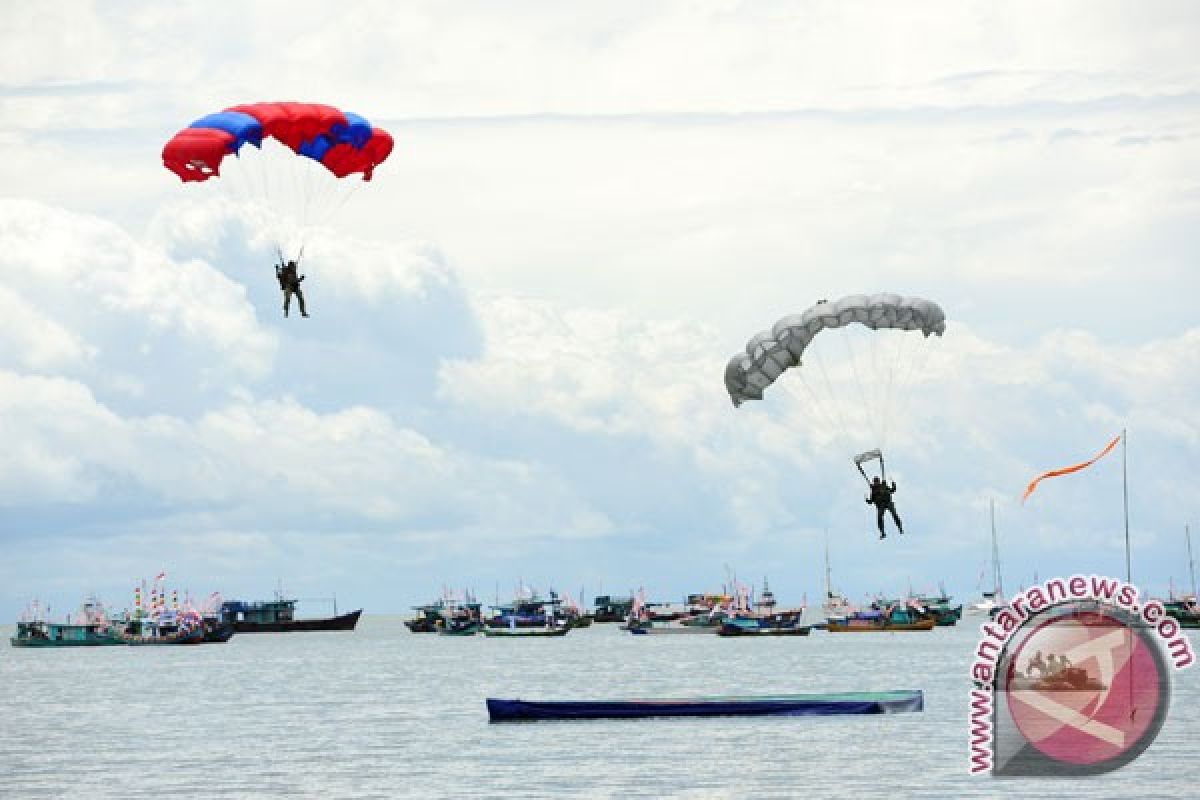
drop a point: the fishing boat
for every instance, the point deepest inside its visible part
(895, 618)
(519, 633)
(55, 634)
(835, 607)
(279, 616)
(781, 624)
(92, 629)
(706, 623)
(763, 617)
(612, 609)
(217, 632)
(461, 619)
(1185, 610)
(940, 607)
(792, 705)
(426, 618)
(460, 627)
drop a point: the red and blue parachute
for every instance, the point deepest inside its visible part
(343, 142)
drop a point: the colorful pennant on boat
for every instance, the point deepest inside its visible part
(1068, 470)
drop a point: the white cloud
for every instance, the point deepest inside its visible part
(83, 269)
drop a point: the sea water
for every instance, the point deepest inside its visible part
(381, 712)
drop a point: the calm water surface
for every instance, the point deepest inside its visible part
(382, 713)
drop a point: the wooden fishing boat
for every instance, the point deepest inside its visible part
(39, 633)
(741, 626)
(426, 618)
(1186, 612)
(895, 618)
(279, 616)
(707, 622)
(92, 628)
(460, 627)
(520, 633)
(612, 609)
(793, 705)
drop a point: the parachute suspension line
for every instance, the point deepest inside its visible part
(873, 339)
(872, 423)
(893, 363)
(329, 206)
(916, 366)
(822, 411)
(832, 395)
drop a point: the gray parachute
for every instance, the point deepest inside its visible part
(769, 353)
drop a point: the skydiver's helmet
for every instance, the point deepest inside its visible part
(292, 264)
(876, 481)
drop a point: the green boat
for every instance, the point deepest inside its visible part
(939, 607)
(93, 628)
(39, 633)
(1186, 612)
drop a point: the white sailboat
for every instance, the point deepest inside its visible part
(835, 607)
(990, 601)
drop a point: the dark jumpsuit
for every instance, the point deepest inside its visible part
(881, 498)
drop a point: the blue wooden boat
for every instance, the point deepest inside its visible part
(791, 705)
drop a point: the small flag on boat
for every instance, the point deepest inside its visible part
(1068, 470)
(160, 576)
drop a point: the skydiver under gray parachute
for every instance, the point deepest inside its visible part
(772, 352)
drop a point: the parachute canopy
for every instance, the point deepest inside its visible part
(343, 142)
(770, 353)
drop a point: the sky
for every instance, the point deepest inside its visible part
(512, 374)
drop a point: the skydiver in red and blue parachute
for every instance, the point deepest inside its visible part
(342, 142)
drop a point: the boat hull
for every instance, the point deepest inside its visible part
(846, 627)
(524, 633)
(798, 705)
(739, 630)
(192, 637)
(218, 634)
(342, 622)
(99, 641)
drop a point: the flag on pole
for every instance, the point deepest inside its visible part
(1068, 470)
(160, 576)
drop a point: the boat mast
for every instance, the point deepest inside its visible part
(1191, 564)
(997, 583)
(828, 581)
(1125, 501)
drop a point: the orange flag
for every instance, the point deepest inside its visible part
(1054, 473)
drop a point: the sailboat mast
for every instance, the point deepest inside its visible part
(997, 583)
(1191, 564)
(828, 581)
(1125, 500)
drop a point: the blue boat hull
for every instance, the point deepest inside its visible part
(798, 705)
